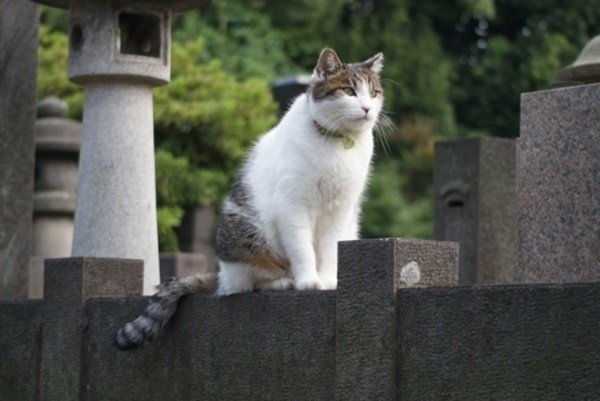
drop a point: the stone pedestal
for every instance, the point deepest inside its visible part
(474, 198)
(558, 186)
(18, 61)
(369, 274)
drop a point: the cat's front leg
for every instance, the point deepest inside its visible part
(341, 226)
(327, 244)
(297, 239)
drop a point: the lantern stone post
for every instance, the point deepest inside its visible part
(118, 52)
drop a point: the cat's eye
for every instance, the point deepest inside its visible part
(375, 92)
(349, 91)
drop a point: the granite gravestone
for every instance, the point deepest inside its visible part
(474, 190)
(558, 191)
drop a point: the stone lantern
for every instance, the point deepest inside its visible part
(57, 149)
(118, 51)
(586, 68)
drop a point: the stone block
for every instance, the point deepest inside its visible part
(68, 283)
(253, 346)
(474, 198)
(182, 264)
(526, 342)
(369, 274)
(20, 350)
(558, 191)
(18, 52)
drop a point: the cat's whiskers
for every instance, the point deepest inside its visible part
(383, 126)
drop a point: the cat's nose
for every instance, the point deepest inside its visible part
(366, 109)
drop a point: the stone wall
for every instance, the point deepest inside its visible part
(375, 338)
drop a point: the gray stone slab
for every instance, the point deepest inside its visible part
(558, 176)
(369, 274)
(537, 342)
(68, 283)
(474, 187)
(253, 346)
(20, 350)
(18, 55)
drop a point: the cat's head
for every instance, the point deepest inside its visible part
(346, 97)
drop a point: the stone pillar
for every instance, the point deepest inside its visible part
(558, 186)
(57, 149)
(474, 198)
(18, 60)
(370, 273)
(118, 51)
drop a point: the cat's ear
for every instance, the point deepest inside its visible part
(375, 63)
(328, 64)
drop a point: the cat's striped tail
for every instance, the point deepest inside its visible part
(161, 308)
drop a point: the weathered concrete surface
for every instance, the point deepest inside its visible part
(20, 350)
(254, 346)
(534, 342)
(558, 186)
(18, 65)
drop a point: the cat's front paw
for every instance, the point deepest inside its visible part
(309, 284)
(329, 283)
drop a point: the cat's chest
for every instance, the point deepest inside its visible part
(336, 184)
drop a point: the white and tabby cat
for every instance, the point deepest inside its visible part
(298, 194)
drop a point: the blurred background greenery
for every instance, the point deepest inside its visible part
(452, 69)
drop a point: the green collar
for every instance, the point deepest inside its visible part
(348, 141)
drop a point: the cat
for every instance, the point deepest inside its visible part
(298, 193)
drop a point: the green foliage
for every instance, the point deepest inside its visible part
(242, 38)
(52, 71)
(519, 50)
(169, 218)
(388, 212)
(206, 115)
